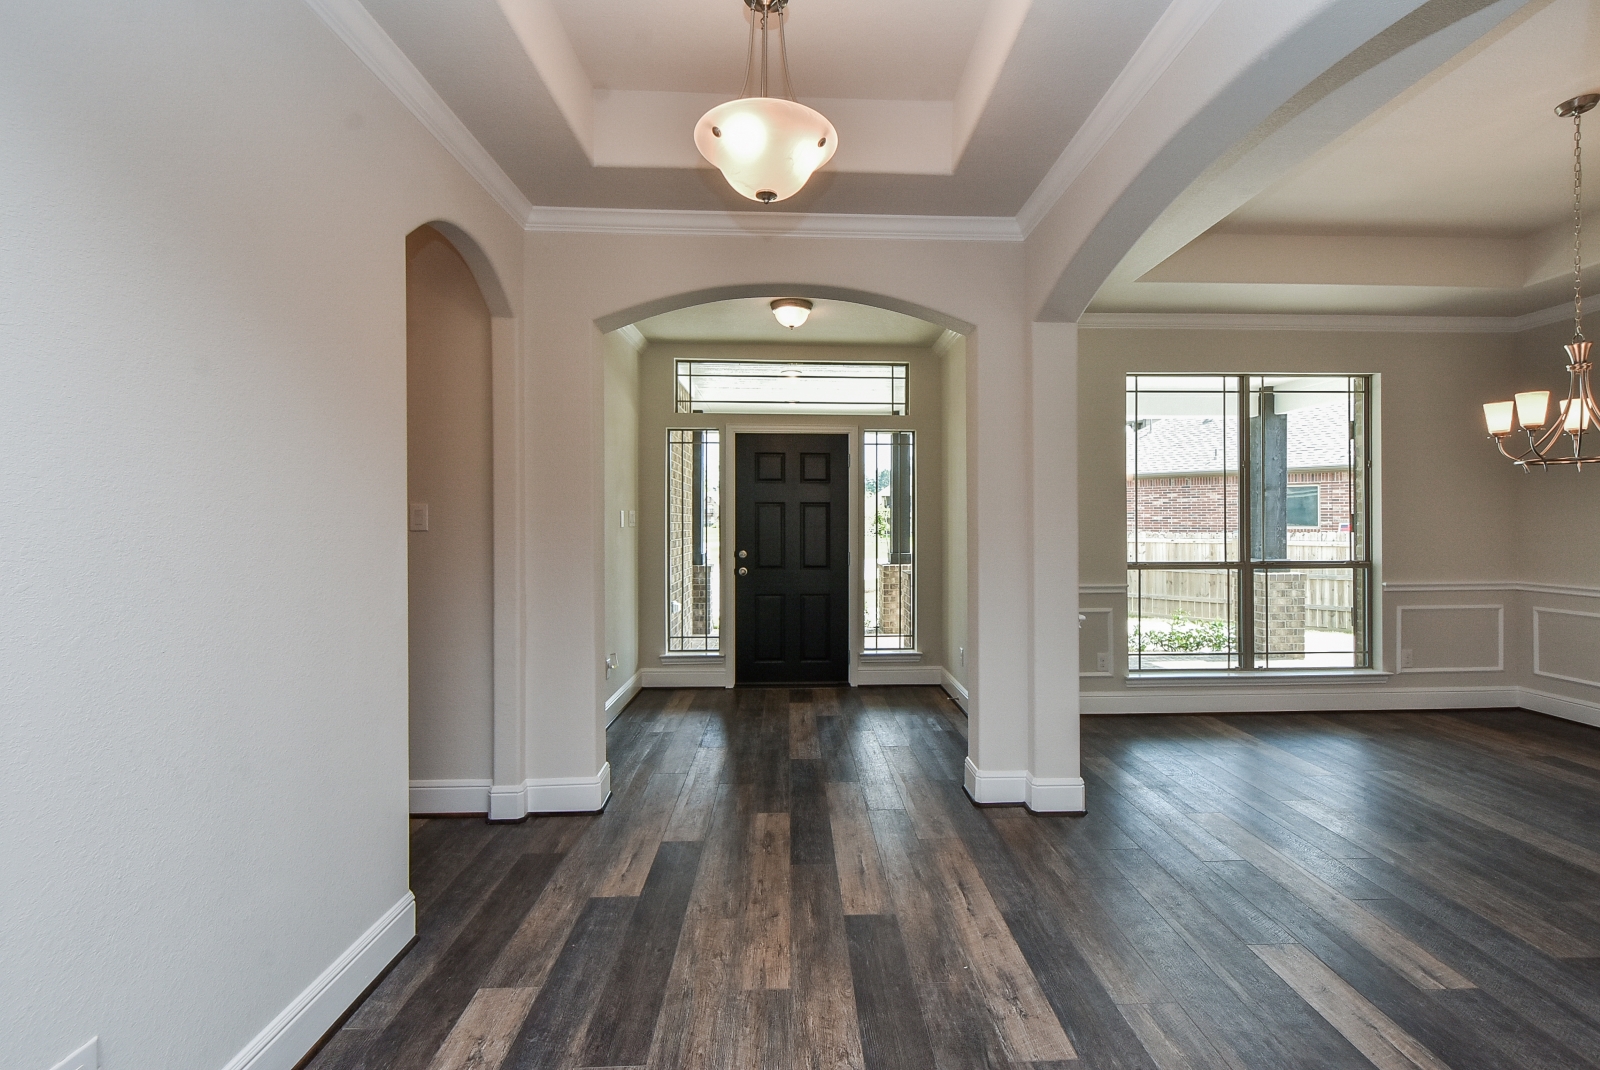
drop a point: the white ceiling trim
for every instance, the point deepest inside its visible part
(355, 26)
(776, 224)
(1172, 32)
(1224, 321)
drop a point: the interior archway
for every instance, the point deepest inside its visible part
(641, 348)
(450, 467)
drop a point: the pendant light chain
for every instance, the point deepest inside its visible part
(1577, 225)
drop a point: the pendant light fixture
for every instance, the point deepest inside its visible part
(791, 311)
(1579, 414)
(765, 146)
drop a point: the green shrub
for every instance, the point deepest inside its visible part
(1186, 635)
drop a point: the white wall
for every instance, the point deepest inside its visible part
(924, 416)
(202, 460)
(622, 499)
(955, 511)
(1459, 526)
(449, 465)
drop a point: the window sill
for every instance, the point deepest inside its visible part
(691, 655)
(891, 656)
(1261, 676)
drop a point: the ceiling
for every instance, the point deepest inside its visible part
(1450, 198)
(1454, 198)
(943, 107)
(750, 320)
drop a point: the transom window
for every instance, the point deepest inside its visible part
(793, 387)
(1248, 526)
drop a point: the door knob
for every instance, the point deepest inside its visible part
(744, 553)
(744, 572)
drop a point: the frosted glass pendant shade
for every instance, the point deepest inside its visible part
(766, 147)
(1532, 407)
(1497, 414)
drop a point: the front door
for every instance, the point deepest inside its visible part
(792, 559)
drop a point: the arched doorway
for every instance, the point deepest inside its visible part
(449, 467)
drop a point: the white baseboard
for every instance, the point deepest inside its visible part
(1279, 699)
(953, 688)
(570, 795)
(1055, 795)
(1569, 709)
(684, 676)
(285, 1041)
(450, 796)
(508, 802)
(621, 697)
(870, 675)
(995, 785)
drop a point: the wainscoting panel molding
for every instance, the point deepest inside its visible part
(1500, 641)
(1084, 631)
(1588, 626)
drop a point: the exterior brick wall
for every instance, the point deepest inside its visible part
(1200, 505)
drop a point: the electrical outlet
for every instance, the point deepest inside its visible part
(1102, 662)
(1405, 659)
(419, 516)
(633, 518)
(85, 1058)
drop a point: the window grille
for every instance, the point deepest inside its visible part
(795, 387)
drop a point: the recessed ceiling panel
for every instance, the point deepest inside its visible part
(871, 49)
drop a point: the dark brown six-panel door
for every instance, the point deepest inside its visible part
(792, 558)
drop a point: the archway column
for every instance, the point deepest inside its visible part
(508, 797)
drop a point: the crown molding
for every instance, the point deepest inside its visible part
(775, 224)
(1172, 32)
(1245, 321)
(355, 26)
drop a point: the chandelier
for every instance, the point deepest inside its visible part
(765, 146)
(1579, 414)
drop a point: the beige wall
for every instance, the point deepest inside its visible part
(204, 427)
(449, 467)
(1460, 533)
(925, 416)
(622, 501)
(955, 511)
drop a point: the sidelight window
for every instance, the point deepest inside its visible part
(1248, 526)
(889, 519)
(694, 487)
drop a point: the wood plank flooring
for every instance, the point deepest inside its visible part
(795, 879)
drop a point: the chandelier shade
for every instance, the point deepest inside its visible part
(766, 147)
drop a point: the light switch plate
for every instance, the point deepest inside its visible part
(85, 1058)
(419, 516)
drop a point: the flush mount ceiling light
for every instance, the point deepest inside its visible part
(791, 311)
(765, 146)
(1579, 414)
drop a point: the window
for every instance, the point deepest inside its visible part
(889, 585)
(799, 387)
(694, 487)
(1248, 524)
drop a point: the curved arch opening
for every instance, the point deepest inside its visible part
(478, 262)
(680, 505)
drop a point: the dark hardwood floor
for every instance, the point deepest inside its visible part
(794, 878)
